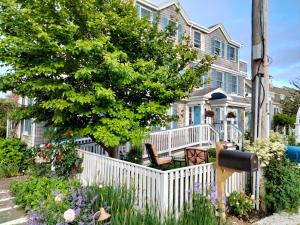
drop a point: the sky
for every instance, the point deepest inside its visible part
(235, 15)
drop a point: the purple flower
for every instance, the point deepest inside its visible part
(94, 199)
(79, 200)
(77, 211)
(34, 218)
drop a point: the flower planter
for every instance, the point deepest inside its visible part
(293, 153)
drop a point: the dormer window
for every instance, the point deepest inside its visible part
(217, 47)
(232, 53)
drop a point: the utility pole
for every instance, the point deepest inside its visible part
(260, 126)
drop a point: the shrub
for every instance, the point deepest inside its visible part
(9, 170)
(267, 151)
(34, 191)
(63, 156)
(282, 120)
(14, 152)
(135, 155)
(240, 204)
(282, 186)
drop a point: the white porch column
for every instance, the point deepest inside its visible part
(225, 122)
(187, 115)
(202, 116)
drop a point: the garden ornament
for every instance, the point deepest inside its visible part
(101, 215)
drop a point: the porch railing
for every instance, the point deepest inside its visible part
(235, 135)
(170, 140)
(168, 190)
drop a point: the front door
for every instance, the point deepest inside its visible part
(197, 115)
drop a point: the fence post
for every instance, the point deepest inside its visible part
(169, 142)
(164, 194)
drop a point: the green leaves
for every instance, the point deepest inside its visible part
(94, 67)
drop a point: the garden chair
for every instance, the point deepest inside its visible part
(154, 158)
(195, 156)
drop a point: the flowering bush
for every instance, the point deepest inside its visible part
(240, 204)
(268, 151)
(63, 157)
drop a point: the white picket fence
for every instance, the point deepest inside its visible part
(168, 190)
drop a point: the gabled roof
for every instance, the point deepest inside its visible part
(208, 30)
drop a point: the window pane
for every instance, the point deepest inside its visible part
(197, 39)
(217, 47)
(144, 12)
(165, 23)
(231, 53)
(180, 32)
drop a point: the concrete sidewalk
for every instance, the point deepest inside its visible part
(281, 219)
(9, 212)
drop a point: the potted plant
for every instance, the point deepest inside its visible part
(209, 113)
(231, 115)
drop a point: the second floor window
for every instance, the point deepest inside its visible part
(179, 30)
(232, 53)
(232, 84)
(217, 79)
(217, 47)
(197, 39)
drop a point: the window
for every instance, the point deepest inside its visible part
(27, 125)
(197, 39)
(205, 80)
(217, 47)
(243, 67)
(179, 32)
(165, 23)
(230, 53)
(190, 116)
(143, 12)
(232, 84)
(217, 79)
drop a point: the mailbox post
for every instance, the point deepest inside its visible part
(228, 162)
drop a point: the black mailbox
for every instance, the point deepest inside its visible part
(244, 161)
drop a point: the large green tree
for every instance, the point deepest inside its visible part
(94, 67)
(291, 103)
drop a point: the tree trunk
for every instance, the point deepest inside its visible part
(113, 152)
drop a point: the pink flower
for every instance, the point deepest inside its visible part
(69, 215)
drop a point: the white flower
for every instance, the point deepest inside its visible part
(100, 186)
(58, 198)
(69, 215)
